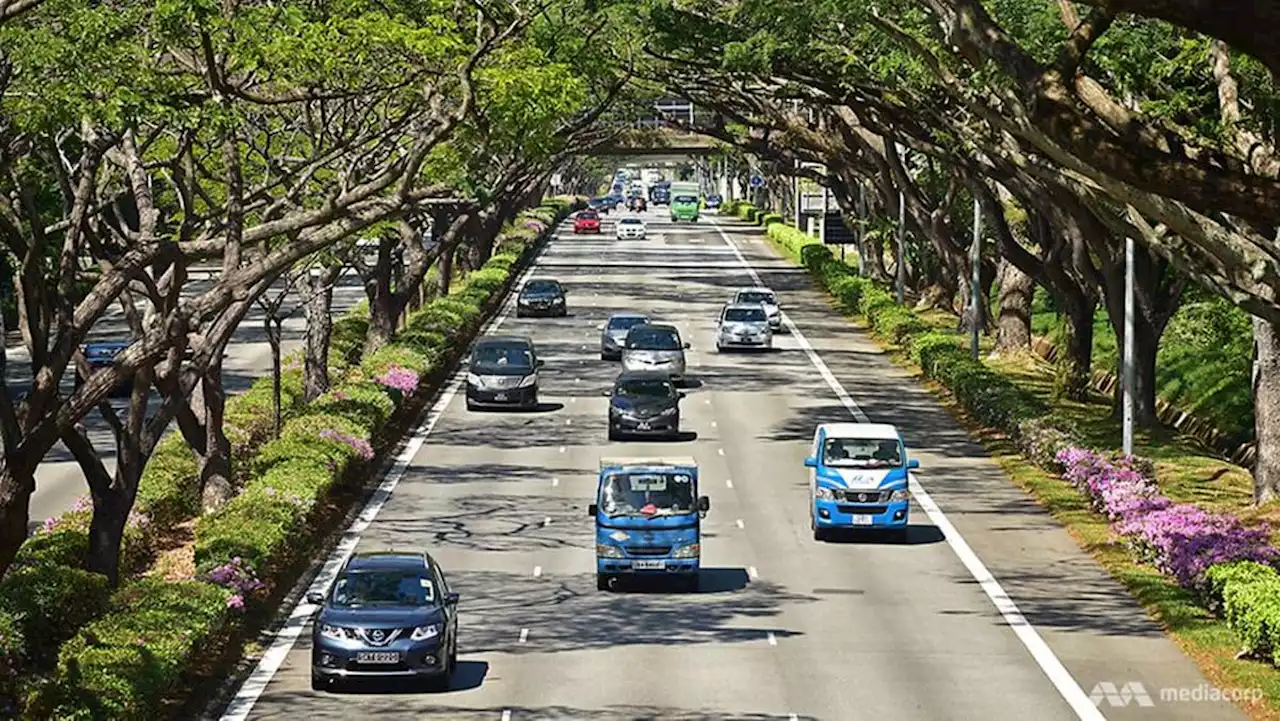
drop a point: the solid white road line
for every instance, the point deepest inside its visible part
(720, 451)
(546, 521)
(773, 640)
(240, 706)
(537, 571)
(562, 449)
(740, 524)
(555, 481)
(752, 572)
(1049, 663)
(506, 715)
(728, 482)
(524, 635)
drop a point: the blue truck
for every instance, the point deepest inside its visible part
(648, 517)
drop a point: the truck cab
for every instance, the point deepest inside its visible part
(648, 517)
(685, 202)
(859, 477)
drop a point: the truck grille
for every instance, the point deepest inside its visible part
(863, 510)
(865, 496)
(648, 550)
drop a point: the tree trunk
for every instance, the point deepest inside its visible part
(1266, 411)
(214, 465)
(1077, 357)
(1145, 347)
(382, 322)
(17, 483)
(1013, 325)
(112, 501)
(967, 317)
(446, 270)
(319, 329)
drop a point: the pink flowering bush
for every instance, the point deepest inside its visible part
(1180, 539)
(400, 379)
(237, 576)
(364, 451)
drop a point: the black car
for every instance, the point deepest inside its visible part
(388, 615)
(713, 201)
(600, 205)
(644, 403)
(102, 355)
(503, 372)
(541, 297)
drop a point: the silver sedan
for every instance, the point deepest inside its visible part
(613, 333)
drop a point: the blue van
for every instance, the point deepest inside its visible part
(859, 478)
(648, 517)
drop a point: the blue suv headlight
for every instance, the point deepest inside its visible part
(902, 494)
(335, 632)
(824, 494)
(422, 633)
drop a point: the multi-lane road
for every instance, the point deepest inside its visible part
(989, 611)
(59, 480)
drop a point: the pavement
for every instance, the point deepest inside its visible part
(59, 479)
(988, 611)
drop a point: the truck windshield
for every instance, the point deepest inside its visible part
(686, 199)
(861, 453)
(744, 315)
(647, 494)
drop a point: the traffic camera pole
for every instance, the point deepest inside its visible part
(902, 241)
(1128, 370)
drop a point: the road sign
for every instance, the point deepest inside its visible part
(834, 231)
(756, 181)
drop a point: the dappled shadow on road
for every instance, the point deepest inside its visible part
(481, 472)
(316, 707)
(567, 613)
(490, 522)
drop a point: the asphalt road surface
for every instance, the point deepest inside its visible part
(59, 480)
(783, 628)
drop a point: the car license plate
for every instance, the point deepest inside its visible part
(861, 520)
(649, 565)
(643, 426)
(377, 657)
(499, 396)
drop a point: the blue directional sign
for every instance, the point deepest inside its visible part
(756, 181)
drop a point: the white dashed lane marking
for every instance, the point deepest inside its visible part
(524, 635)
(537, 571)
(740, 524)
(752, 572)
(728, 482)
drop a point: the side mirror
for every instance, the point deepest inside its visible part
(811, 462)
(606, 392)
(600, 327)
(540, 363)
(687, 346)
(704, 504)
(451, 599)
(681, 396)
(913, 463)
(593, 509)
(315, 597)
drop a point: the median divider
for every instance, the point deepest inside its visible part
(153, 638)
(1228, 567)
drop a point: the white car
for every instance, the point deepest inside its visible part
(630, 228)
(743, 325)
(765, 297)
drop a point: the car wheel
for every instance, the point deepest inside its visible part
(470, 405)
(613, 433)
(602, 582)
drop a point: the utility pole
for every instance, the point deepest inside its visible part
(1127, 370)
(799, 199)
(902, 243)
(862, 230)
(822, 219)
(975, 289)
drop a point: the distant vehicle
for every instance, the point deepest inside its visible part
(102, 355)
(541, 296)
(630, 228)
(765, 297)
(660, 195)
(644, 403)
(387, 615)
(684, 202)
(503, 371)
(743, 325)
(713, 202)
(613, 333)
(587, 221)
(638, 204)
(654, 347)
(648, 517)
(859, 478)
(603, 204)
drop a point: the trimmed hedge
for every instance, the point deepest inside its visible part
(1244, 593)
(124, 665)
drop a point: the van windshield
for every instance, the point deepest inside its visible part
(752, 296)
(501, 357)
(653, 339)
(861, 453)
(647, 494)
(685, 199)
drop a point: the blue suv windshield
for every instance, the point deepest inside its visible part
(384, 588)
(861, 453)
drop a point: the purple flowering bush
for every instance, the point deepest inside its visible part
(237, 576)
(400, 379)
(1180, 539)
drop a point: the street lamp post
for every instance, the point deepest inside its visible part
(1128, 370)
(975, 289)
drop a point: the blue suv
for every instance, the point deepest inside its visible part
(388, 615)
(859, 479)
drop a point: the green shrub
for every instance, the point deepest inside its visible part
(848, 290)
(364, 404)
(1252, 609)
(873, 299)
(466, 311)
(429, 343)
(1218, 576)
(346, 338)
(49, 602)
(769, 219)
(168, 490)
(813, 257)
(489, 278)
(395, 355)
(63, 545)
(435, 318)
(123, 666)
(1040, 439)
(12, 656)
(898, 324)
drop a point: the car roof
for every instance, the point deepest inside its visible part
(742, 306)
(642, 376)
(390, 560)
(876, 431)
(541, 280)
(107, 344)
(655, 326)
(756, 289)
(505, 340)
(629, 314)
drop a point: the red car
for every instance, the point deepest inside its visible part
(586, 222)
